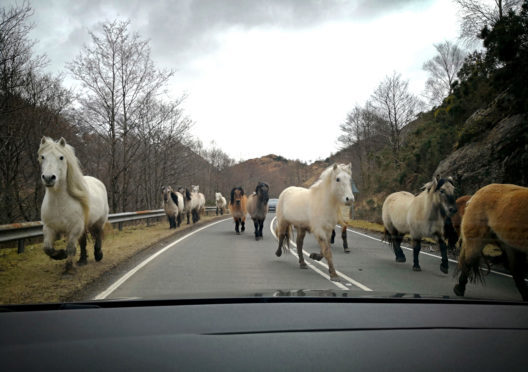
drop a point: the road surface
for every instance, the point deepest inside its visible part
(213, 259)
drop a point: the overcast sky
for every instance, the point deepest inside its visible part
(275, 76)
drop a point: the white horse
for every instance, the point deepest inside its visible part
(173, 205)
(220, 203)
(421, 216)
(73, 204)
(315, 210)
(197, 203)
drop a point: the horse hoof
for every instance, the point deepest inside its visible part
(401, 259)
(98, 255)
(69, 270)
(417, 268)
(316, 256)
(303, 265)
(444, 268)
(347, 250)
(458, 290)
(335, 278)
(278, 252)
(82, 262)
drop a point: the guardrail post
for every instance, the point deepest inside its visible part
(20, 246)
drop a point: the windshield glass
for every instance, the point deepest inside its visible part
(177, 149)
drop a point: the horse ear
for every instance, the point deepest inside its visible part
(349, 167)
(433, 185)
(62, 142)
(43, 140)
(450, 180)
(335, 166)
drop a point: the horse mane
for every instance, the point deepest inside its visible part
(325, 175)
(75, 184)
(233, 193)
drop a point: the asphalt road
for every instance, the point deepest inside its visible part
(213, 260)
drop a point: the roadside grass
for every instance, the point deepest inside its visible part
(32, 277)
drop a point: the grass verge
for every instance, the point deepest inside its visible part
(32, 277)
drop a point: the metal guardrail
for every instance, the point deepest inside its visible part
(26, 230)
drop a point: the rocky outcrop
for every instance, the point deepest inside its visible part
(499, 156)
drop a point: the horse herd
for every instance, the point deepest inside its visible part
(75, 205)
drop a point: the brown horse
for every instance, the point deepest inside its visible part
(496, 214)
(257, 206)
(237, 207)
(452, 224)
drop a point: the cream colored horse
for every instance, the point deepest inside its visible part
(314, 210)
(73, 203)
(420, 216)
(197, 203)
(173, 205)
(221, 203)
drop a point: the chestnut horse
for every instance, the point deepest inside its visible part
(238, 209)
(496, 214)
(257, 206)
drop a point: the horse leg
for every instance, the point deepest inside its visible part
(97, 235)
(188, 218)
(300, 240)
(82, 243)
(283, 233)
(236, 226)
(256, 224)
(178, 220)
(518, 273)
(517, 264)
(217, 211)
(396, 246)
(417, 245)
(49, 237)
(243, 223)
(222, 211)
(332, 237)
(71, 248)
(261, 227)
(344, 237)
(326, 250)
(444, 265)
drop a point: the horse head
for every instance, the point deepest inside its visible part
(442, 191)
(262, 191)
(53, 159)
(341, 182)
(218, 196)
(195, 188)
(166, 191)
(236, 195)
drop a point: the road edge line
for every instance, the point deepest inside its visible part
(124, 278)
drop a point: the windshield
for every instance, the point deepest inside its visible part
(177, 149)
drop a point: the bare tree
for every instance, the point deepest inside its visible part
(477, 14)
(443, 69)
(117, 76)
(397, 107)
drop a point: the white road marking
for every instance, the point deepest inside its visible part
(326, 276)
(428, 254)
(124, 278)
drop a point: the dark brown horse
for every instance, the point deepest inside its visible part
(257, 206)
(496, 214)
